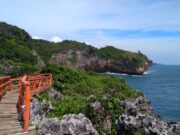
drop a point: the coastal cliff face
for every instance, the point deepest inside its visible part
(24, 53)
(91, 62)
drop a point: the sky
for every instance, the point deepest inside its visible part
(149, 26)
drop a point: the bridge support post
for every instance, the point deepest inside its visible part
(50, 81)
(27, 107)
(10, 85)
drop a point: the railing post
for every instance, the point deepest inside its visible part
(19, 85)
(27, 107)
(34, 87)
(10, 85)
(39, 85)
(42, 84)
(50, 81)
(0, 89)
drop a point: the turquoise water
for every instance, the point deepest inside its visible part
(161, 85)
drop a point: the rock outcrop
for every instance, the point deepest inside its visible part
(89, 61)
(70, 124)
(139, 117)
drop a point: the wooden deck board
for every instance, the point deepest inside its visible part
(9, 122)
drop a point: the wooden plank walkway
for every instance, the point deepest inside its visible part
(27, 86)
(9, 122)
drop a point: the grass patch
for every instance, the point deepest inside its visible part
(73, 59)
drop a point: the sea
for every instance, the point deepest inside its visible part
(161, 85)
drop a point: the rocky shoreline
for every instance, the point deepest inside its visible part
(138, 118)
(70, 124)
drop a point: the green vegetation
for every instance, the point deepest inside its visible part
(132, 59)
(12, 47)
(83, 89)
(73, 59)
(14, 69)
(17, 46)
(46, 49)
(14, 32)
(137, 133)
(16, 57)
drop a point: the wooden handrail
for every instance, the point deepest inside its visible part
(30, 85)
(4, 85)
(27, 86)
(4, 77)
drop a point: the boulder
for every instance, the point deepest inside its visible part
(38, 111)
(55, 94)
(139, 117)
(70, 124)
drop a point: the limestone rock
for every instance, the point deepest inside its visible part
(55, 94)
(88, 60)
(38, 111)
(70, 124)
(138, 116)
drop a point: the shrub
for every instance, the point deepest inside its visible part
(81, 89)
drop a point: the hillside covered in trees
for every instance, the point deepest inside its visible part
(20, 53)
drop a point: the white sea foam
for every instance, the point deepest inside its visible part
(112, 73)
(123, 74)
(148, 72)
(145, 73)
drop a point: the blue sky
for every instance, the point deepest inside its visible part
(151, 26)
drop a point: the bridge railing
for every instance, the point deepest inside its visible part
(30, 85)
(9, 84)
(15, 84)
(27, 86)
(5, 85)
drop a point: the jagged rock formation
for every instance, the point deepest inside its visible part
(139, 117)
(90, 61)
(69, 124)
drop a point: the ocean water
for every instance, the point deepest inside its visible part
(161, 85)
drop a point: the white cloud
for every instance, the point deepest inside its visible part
(56, 39)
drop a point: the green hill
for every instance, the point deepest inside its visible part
(16, 56)
(18, 51)
(134, 59)
(14, 44)
(46, 49)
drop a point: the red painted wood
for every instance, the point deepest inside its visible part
(27, 86)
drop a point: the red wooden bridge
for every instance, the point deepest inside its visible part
(15, 98)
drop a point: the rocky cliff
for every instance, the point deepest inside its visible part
(17, 47)
(138, 117)
(91, 61)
